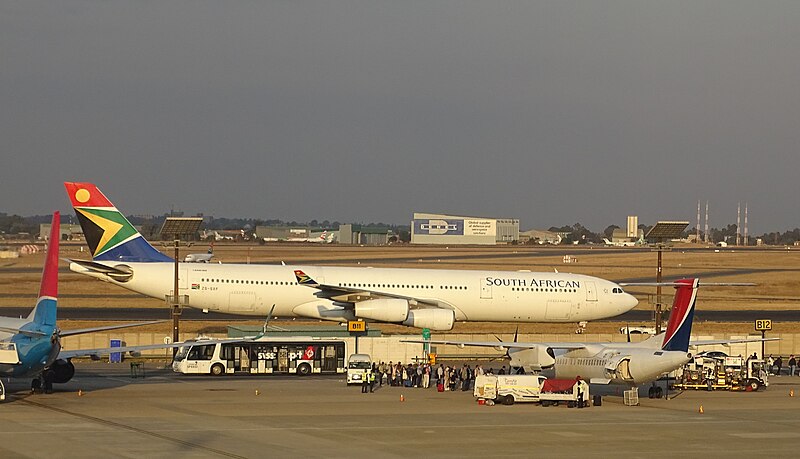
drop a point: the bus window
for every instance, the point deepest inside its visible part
(181, 354)
(205, 352)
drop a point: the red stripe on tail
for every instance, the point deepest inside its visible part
(49, 285)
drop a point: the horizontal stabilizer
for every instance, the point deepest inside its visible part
(32, 333)
(118, 273)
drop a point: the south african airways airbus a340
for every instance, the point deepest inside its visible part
(424, 298)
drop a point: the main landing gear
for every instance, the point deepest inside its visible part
(44, 383)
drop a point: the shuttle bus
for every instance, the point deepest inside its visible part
(265, 355)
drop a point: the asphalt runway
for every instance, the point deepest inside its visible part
(167, 415)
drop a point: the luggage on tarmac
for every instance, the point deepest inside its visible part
(440, 387)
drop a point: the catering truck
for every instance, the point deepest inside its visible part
(508, 389)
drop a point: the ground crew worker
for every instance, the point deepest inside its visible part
(365, 381)
(371, 381)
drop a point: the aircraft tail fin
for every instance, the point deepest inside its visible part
(110, 235)
(44, 313)
(679, 328)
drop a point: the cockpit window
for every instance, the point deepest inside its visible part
(617, 290)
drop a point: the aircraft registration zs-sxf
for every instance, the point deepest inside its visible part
(424, 298)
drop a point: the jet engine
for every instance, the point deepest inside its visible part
(435, 319)
(383, 310)
(63, 371)
(536, 358)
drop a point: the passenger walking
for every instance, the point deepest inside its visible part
(792, 365)
(778, 365)
(426, 377)
(770, 364)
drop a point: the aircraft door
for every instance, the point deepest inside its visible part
(486, 290)
(239, 302)
(283, 360)
(591, 291)
(183, 279)
(559, 310)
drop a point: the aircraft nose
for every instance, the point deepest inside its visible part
(629, 302)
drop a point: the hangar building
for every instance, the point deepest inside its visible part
(451, 229)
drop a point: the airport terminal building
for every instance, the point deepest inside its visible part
(450, 229)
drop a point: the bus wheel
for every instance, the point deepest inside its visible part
(754, 385)
(304, 369)
(217, 369)
(509, 400)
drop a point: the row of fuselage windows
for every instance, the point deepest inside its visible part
(580, 361)
(419, 287)
(532, 289)
(249, 282)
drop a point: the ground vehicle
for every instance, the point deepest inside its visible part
(574, 392)
(723, 373)
(265, 355)
(637, 330)
(357, 366)
(508, 389)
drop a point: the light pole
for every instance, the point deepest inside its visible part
(174, 227)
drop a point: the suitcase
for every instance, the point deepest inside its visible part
(440, 387)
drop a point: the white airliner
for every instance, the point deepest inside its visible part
(622, 243)
(629, 364)
(424, 298)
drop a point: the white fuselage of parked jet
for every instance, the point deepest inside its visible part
(497, 296)
(620, 363)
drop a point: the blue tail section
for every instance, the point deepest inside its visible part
(45, 311)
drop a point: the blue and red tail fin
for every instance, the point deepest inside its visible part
(44, 313)
(679, 328)
(110, 235)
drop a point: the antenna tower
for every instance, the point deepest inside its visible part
(738, 223)
(697, 236)
(745, 224)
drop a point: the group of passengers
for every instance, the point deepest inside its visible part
(775, 365)
(421, 375)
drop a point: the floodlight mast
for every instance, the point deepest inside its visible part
(661, 231)
(175, 227)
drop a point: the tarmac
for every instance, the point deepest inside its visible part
(104, 412)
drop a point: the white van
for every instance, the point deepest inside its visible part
(508, 389)
(357, 366)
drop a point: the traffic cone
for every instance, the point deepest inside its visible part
(80, 393)
(791, 392)
(402, 398)
(258, 392)
(701, 410)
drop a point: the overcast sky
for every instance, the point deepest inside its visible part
(552, 112)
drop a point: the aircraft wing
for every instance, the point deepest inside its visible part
(712, 342)
(333, 291)
(67, 354)
(81, 331)
(499, 344)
